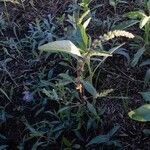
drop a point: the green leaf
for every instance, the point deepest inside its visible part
(58, 128)
(99, 53)
(2, 137)
(3, 147)
(147, 78)
(137, 56)
(98, 140)
(50, 73)
(125, 24)
(3, 92)
(91, 108)
(89, 87)
(146, 131)
(86, 23)
(144, 21)
(37, 145)
(147, 62)
(65, 46)
(124, 53)
(113, 3)
(66, 77)
(80, 38)
(67, 142)
(141, 114)
(47, 93)
(86, 2)
(83, 16)
(72, 20)
(84, 37)
(90, 122)
(135, 14)
(63, 109)
(112, 50)
(34, 133)
(145, 95)
(113, 131)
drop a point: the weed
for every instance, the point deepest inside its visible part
(86, 48)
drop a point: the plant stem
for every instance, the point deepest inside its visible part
(79, 85)
(90, 72)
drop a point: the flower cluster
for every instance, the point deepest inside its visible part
(110, 35)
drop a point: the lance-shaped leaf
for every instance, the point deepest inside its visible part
(137, 56)
(141, 114)
(99, 53)
(145, 95)
(86, 23)
(89, 87)
(147, 78)
(125, 24)
(83, 16)
(65, 46)
(135, 14)
(144, 21)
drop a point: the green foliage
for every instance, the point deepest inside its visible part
(4, 115)
(106, 139)
(145, 25)
(137, 56)
(61, 46)
(80, 44)
(146, 96)
(143, 19)
(70, 117)
(141, 114)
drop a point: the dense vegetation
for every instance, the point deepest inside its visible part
(74, 74)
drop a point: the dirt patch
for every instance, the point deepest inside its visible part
(24, 13)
